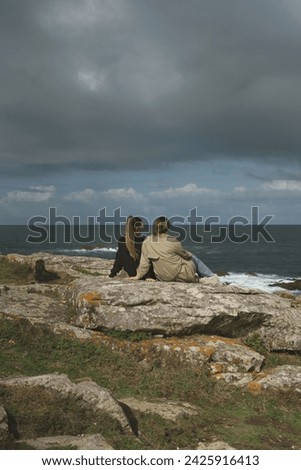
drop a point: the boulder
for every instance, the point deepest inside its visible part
(167, 410)
(183, 309)
(285, 379)
(289, 285)
(282, 378)
(221, 354)
(88, 391)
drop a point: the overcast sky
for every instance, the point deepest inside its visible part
(154, 106)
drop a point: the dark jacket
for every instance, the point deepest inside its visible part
(124, 260)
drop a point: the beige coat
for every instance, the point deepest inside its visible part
(170, 261)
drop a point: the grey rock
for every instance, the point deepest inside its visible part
(38, 305)
(208, 307)
(284, 378)
(83, 442)
(185, 309)
(234, 357)
(221, 354)
(74, 266)
(91, 393)
(293, 285)
(168, 409)
(215, 445)
(240, 380)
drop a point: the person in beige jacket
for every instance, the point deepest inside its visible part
(170, 261)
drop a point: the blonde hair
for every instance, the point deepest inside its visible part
(133, 225)
(161, 225)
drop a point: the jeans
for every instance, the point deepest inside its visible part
(201, 269)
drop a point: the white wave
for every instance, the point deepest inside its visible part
(258, 281)
(84, 250)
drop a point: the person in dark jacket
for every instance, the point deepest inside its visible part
(129, 249)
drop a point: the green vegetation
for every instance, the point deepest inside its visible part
(254, 341)
(11, 272)
(244, 420)
(128, 335)
(48, 413)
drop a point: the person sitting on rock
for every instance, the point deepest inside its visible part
(170, 261)
(129, 249)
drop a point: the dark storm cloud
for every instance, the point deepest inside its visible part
(131, 83)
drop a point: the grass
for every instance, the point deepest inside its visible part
(128, 335)
(49, 414)
(254, 341)
(245, 421)
(272, 359)
(11, 272)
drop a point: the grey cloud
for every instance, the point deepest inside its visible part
(116, 84)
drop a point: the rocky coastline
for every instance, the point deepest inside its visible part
(208, 324)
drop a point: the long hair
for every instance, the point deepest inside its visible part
(161, 225)
(133, 225)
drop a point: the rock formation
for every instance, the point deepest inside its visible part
(289, 285)
(203, 325)
(88, 391)
(181, 309)
(41, 274)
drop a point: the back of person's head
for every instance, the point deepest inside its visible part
(161, 225)
(134, 225)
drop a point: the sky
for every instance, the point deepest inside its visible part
(156, 107)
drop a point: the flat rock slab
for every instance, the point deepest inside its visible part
(168, 409)
(89, 442)
(74, 266)
(185, 309)
(37, 304)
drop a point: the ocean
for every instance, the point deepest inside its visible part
(252, 256)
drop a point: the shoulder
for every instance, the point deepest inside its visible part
(147, 240)
(140, 238)
(172, 239)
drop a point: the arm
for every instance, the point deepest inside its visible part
(117, 266)
(181, 251)
(144, 264)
